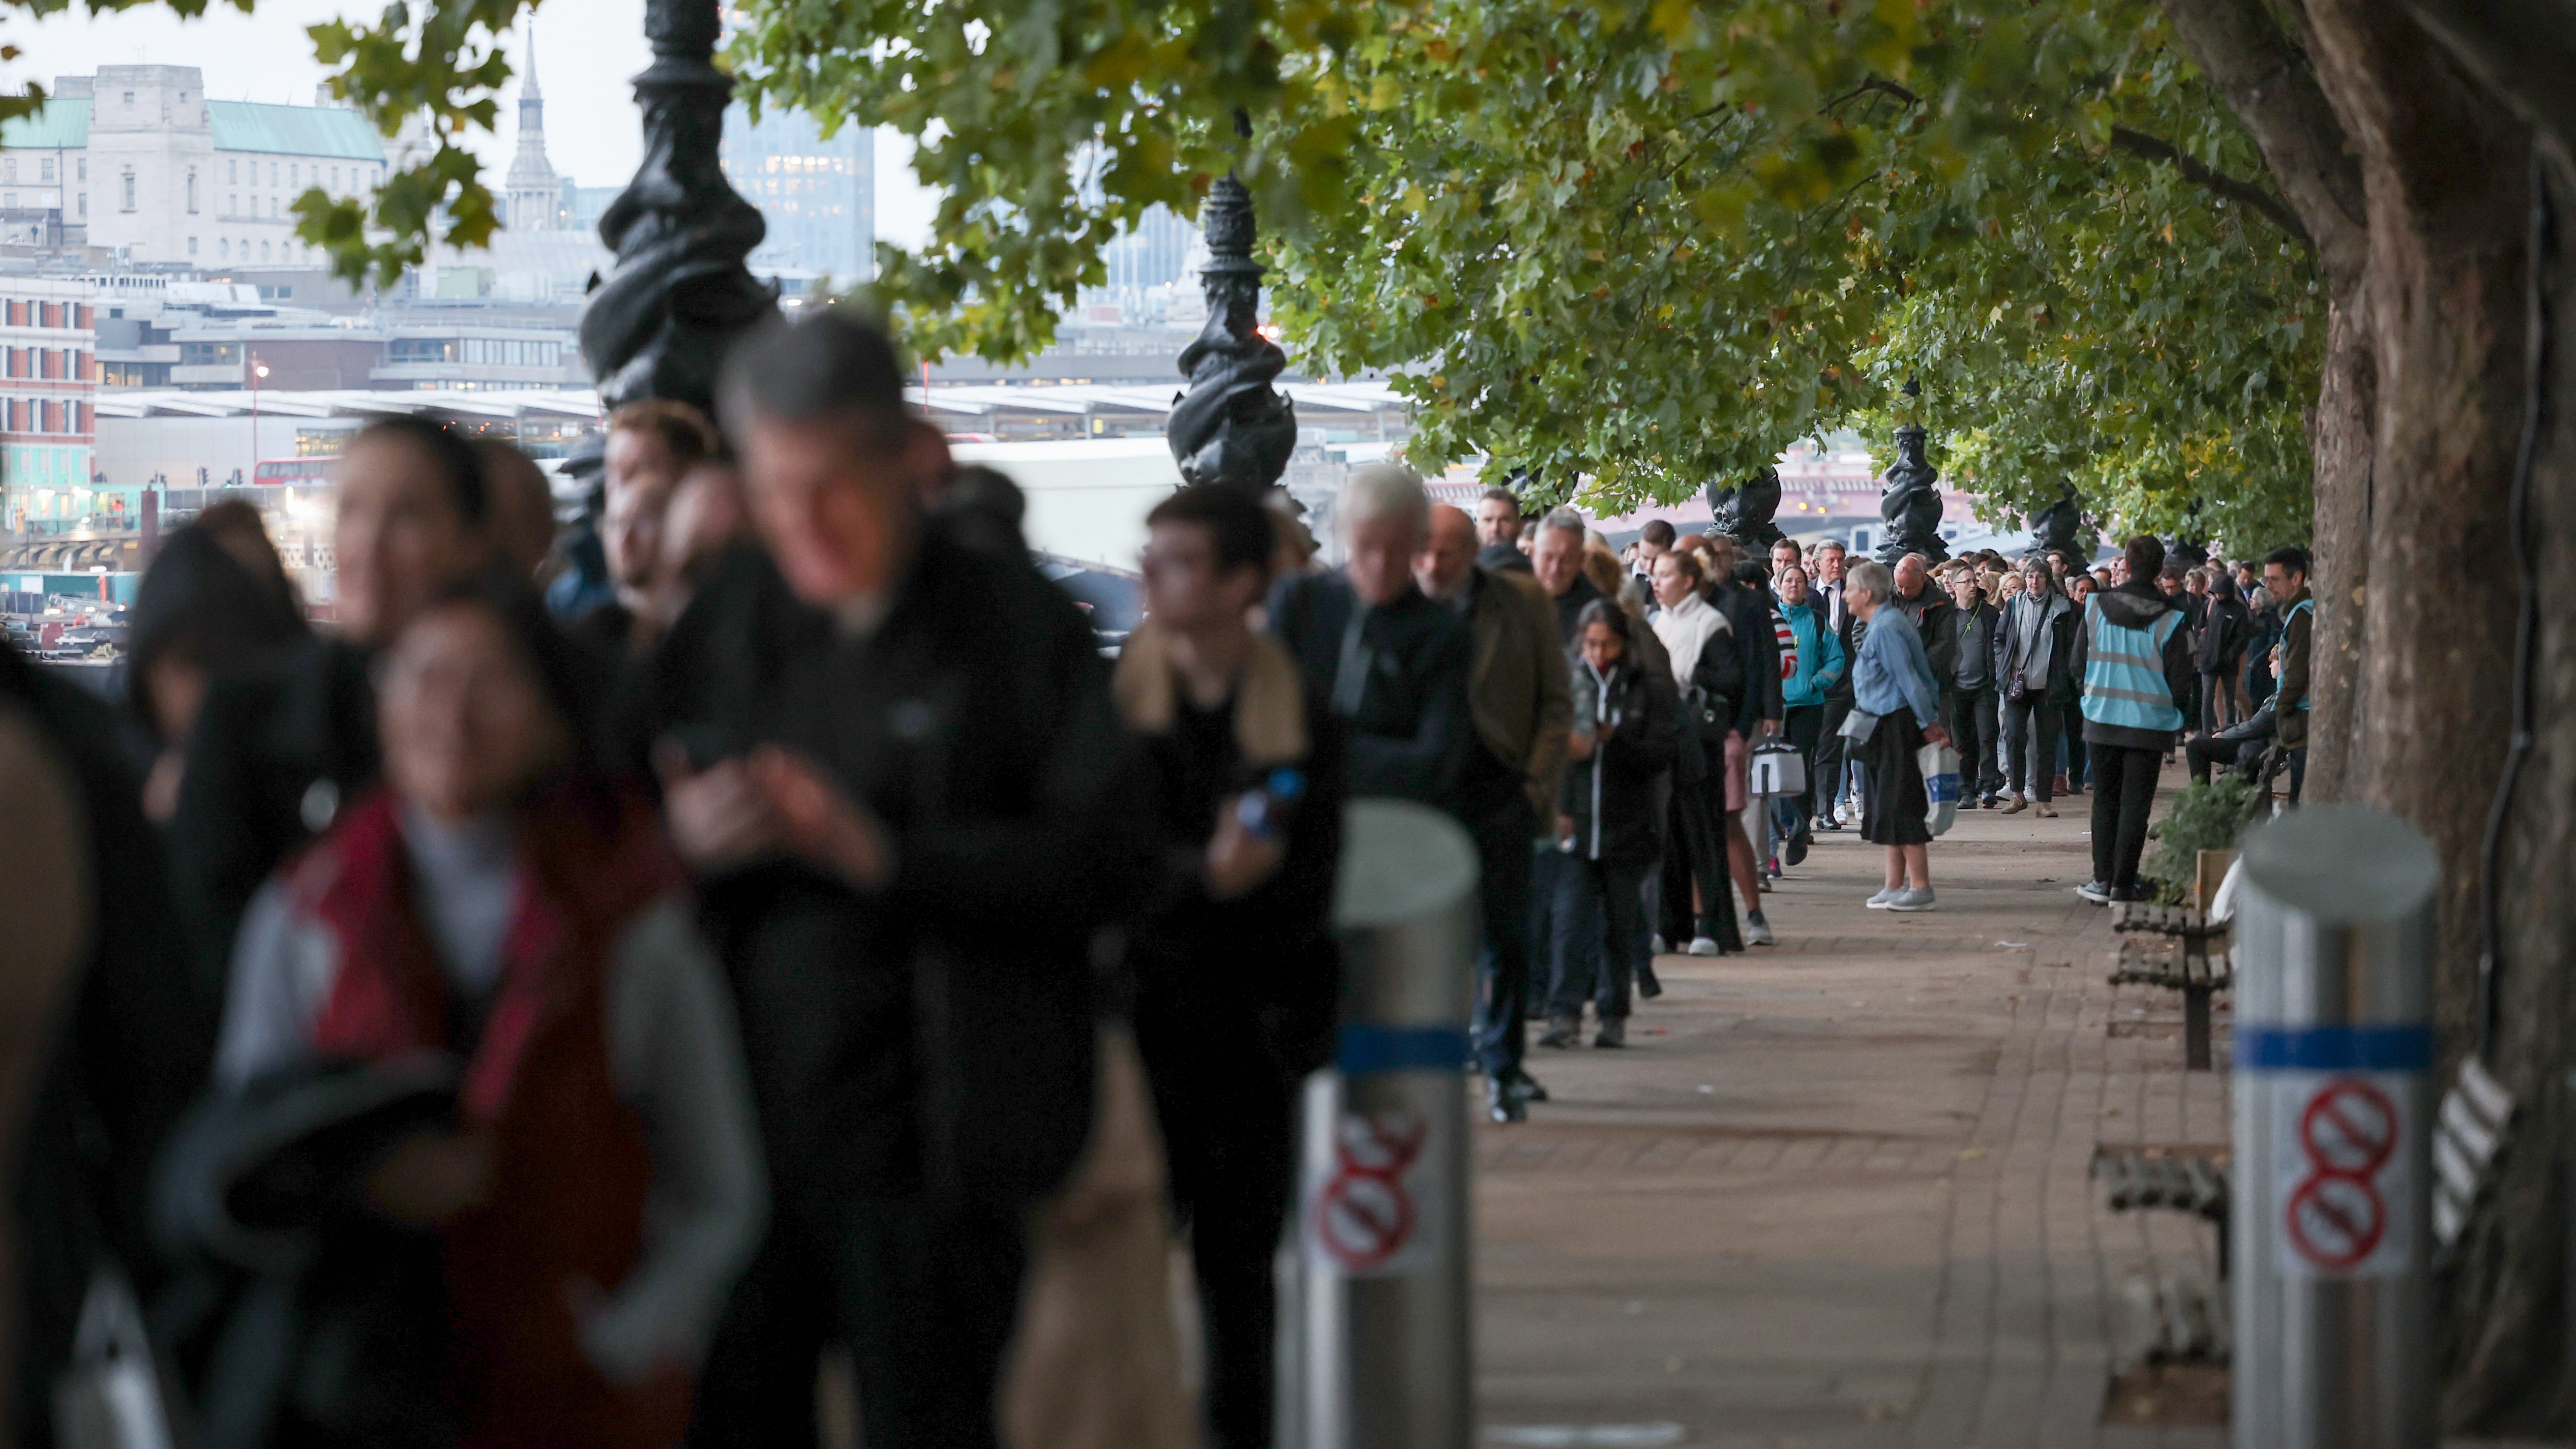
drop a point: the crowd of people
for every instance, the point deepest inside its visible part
(564, 1009)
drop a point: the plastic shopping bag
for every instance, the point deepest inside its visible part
(1940, 766)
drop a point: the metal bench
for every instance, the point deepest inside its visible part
(2199, 974)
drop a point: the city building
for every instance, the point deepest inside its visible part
(533, 195)
(1151, 254)
(137, 159)
(819, 196)
(48, 402)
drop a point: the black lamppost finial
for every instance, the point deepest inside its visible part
(1232, 427)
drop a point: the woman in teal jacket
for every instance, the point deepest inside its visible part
(1817, 667)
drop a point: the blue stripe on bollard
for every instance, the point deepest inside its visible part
(2334, 1048)
(1366, 1050)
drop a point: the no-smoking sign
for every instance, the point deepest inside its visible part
(1366, 1215)
(2345, 1181)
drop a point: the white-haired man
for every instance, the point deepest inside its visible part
(1393, 663)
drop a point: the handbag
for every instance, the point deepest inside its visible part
(1858, 726)
(1776, 768)
(1940, 767)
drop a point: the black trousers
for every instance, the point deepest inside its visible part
(1803, 725)
(1825, 772)
(924, 1295)
(1695, 855)
(2031, 727)
(2236, 752)
(1230, 1135)
(1598, 909)
(1972, 729)
(1505, 829)
(2124, 790)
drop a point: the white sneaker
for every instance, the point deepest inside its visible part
(1702, 946)
(1911, 900)
(1757, 931)
(1885, 894)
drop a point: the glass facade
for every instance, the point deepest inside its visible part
(818, 196)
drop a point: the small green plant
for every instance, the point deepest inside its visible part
(2204, 817)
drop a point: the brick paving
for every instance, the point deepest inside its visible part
(1837, 1193)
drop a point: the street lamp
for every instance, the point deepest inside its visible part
(258, 370)
(1232, 427)
(661, 323)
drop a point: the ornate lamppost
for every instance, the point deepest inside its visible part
(1908, 500)
(680, 295)
(1743, 512)
(1232, 426)
(2059, 526)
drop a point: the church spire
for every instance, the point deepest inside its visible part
(535, 196)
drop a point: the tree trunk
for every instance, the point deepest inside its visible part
(2340, 434)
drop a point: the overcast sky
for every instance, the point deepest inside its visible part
(586, 51)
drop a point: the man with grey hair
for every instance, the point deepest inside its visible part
(892, 762)
(1392, 662)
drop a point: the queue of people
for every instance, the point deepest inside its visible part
(464, 1025)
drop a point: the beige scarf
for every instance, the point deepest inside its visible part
(1269, 701)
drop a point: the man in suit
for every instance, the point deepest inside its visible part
(893, 762)
(1517, 692)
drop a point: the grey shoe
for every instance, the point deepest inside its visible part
(1702, 946)
(1562, 1031)
(1911, 900)
(2098, 892)
(1611, 1033)
(1885, 894)
(1757, 931)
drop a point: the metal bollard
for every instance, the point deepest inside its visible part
(2333, 1122)
(1375, 1347)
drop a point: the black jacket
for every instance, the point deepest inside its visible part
(2138, 606)
(1503, 556)
(2225, 627)
(1847, 627)
(1933, 615)
(1972, 645)
(1611, 796)
(1411, 728)
(127, 1053)
(1569, 607)
(1748, 613)
(936, 1037)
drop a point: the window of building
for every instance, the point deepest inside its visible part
(129, 190)
(335, 178)
(294, 175)
(82, 315)
(232, 204)
(422, 349)
(84, 205)
(209, 354)
(80, 168)
(45, 169)
(224, 247)
(272, 173)
(192, 246)
(129, 98)
(263, 251)
(192, 191)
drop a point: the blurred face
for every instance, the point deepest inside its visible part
(466, 726)
(1380, 552)
(1648, 551)
(1910, 576)
(1793, 584)
(706, 512)
(1183, 589)
(1674, 581)
(400, 539)
(1557, 559)
(638, 476)
(1497, 521)
(836, 499)
(1449, 556)
(1601, 648)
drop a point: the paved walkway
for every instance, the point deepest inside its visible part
(1837, 1191)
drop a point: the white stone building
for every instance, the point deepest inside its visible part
(137, 157)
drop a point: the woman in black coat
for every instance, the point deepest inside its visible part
(1627, 721)
(2219, 655)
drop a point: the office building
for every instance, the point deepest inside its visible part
(818, 196)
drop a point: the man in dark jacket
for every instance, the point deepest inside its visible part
(896, 767)
(2137, 672)
(1747, 607)
(1394, 664)
(1557, 559)
(1930, 609)
(1236, 972)
(1518, 691)
(1498, 532)
(1975, 716)
(1847, 628)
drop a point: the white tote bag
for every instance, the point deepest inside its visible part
(1940, 767)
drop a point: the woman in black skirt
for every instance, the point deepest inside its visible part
(1892, 683)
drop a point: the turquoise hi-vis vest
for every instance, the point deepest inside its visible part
(2309, 608)
(2124, 672)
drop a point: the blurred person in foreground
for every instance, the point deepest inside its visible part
(104, 1029)
(893, 763)
(1518, 692)
(277, 751)
(522, 506)
(1237, 976)
(599, 1185)
(209, 608)
(652, 446)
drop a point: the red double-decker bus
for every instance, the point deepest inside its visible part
(294, 472)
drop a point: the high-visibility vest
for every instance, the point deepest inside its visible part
(2124, 672)
(2308, 607)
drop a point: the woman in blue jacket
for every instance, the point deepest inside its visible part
(1817, 667)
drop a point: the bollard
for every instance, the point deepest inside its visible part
(2334, 1051)
(1375, 1347)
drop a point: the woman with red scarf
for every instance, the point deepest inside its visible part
(600, 1187)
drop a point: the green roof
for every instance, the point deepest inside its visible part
(293, 130)
(238, 126)
(64, 122)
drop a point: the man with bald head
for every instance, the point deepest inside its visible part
(1519, 698)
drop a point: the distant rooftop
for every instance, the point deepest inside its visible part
(238, 126)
